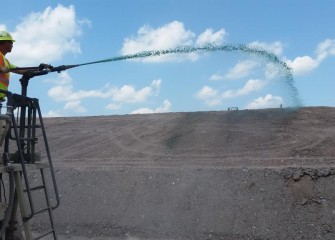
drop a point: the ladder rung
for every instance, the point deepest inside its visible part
(43, 210)
(43, 235)
(35, 188)
(36, 126)
(29, 139)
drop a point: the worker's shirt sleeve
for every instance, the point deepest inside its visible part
(11, 66)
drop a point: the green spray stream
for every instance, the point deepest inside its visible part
(286, 71)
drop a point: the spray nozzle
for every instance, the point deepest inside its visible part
(43, 66)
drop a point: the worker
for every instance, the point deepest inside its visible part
(6, 45)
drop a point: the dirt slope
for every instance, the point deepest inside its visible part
(251, 174)
(200, 139)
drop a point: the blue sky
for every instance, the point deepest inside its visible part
(301, 33)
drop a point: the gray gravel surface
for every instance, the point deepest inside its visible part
(251, 174)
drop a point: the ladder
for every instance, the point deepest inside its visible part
(21, 192)
(25, 216)
(25, 160)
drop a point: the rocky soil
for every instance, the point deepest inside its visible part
(250, 174)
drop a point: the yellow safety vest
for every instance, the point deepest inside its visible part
(4, 77)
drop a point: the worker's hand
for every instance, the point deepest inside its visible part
(4, 69)
(43, 66)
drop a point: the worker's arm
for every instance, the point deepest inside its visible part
(18, 71)
(5, 69)
(12, 69)
(21, 71)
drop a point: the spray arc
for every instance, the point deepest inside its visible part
(286, 71)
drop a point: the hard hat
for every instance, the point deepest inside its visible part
(5, 36)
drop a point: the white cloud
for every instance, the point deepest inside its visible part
(209, 95)
(268, 101)
(167, 37)
(213, 97)
(128, 94)
(325, 48)
(63, 91)
(207, 92)
(241, 69)
(75, 106)
(47, 36)
(114, 106)
(251, 85)
(274, 47)
(53, 114)
(306, 64)
(211, 37)
(164, 108)
(216, 77)
(303, 65)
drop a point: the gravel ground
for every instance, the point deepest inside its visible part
(251, 174)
